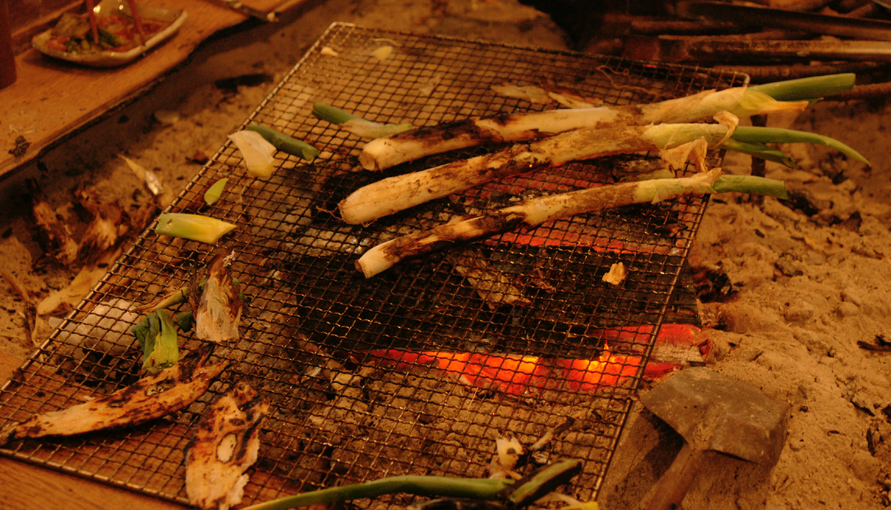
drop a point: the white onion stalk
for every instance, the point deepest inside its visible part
(359, 126)
(258, 154)
(401, 192)
(530, 213)
(676, 144)
(792, 95)
(389, 151)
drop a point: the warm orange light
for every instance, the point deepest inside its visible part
(591, 375)
(518, 375)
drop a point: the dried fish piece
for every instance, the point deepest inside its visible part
(148, 398)
(225, 445)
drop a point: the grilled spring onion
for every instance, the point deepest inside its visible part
(363, 128)
(392, 150)
(506, 492)
(285, 143)
(539, 210)
(193, 226)
(151, 397)
(179, 296)
(401, 192)
(471, 488)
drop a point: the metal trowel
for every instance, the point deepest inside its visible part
(714, 414)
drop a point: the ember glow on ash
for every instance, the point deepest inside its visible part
(518, 375)
(524, 374)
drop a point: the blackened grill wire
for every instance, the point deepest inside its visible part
(323, 343)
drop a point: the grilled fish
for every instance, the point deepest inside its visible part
(151, 397)
(224, 446)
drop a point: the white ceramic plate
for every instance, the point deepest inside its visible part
(175, 18)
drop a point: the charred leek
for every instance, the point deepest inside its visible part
(392, 150)
(401, 192)
(539, 210)
(217, 302)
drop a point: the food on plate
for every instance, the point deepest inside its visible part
(224, 446)
(151, 397)
(116, 32)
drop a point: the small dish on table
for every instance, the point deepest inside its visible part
(119, 41)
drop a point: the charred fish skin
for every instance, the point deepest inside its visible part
(225, 445)
(151, 397)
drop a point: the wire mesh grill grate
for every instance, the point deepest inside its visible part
(333, 350)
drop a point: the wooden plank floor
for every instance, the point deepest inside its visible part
(52, 99)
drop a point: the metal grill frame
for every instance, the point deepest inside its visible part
(392, 423)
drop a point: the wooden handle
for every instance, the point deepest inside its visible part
(670, 490)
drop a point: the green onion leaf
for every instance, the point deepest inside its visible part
(751, 134)
(286, 143)
(193, 226)
(215, 191)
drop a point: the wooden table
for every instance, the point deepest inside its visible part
(52, 99)
(49, 101)
(28, 487)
